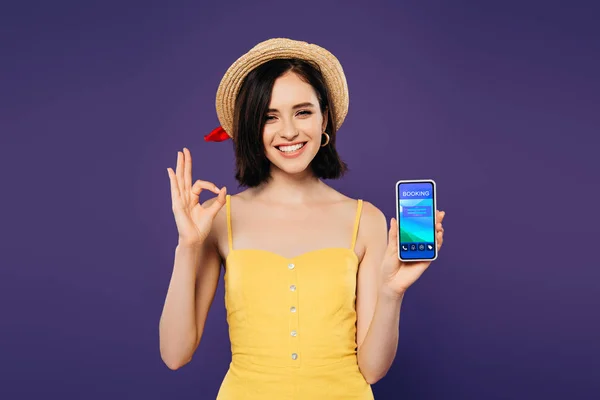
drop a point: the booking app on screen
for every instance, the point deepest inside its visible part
(416, 218)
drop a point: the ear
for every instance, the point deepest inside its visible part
(325, 119)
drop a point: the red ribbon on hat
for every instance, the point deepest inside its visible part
(217, 135)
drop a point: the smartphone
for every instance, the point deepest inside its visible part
(416, 216)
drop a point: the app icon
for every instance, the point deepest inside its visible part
(430, 247)
(421, 247)
(413, 247)
(404, 247)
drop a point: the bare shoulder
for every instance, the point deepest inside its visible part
(218, 232)
(373, 224)
(372, 216)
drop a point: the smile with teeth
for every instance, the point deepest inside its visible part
(289, 149)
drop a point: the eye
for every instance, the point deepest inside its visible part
(269, 117)
(304, 112)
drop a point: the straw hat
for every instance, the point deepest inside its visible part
(268, 50)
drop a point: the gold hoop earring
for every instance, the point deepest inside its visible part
(327, 142)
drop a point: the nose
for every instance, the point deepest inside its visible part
(288, 131)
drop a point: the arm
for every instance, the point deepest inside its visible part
(378, 309)
(191, 291)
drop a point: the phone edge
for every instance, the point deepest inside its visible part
(397, 199)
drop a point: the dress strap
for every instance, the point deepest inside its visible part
(229, 234)
(356, 223)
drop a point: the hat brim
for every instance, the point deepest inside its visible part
(331, 69)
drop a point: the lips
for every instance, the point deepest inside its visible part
(293, 150)
(290, 148)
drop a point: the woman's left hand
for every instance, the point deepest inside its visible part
(398, 276)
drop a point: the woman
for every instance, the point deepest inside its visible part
(312, 288)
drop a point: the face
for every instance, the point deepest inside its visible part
(294, 125)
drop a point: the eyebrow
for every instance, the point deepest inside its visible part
(306, 104)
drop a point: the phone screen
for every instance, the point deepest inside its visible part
(416, 220)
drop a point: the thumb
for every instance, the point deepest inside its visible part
(219, 202)
(393, 236)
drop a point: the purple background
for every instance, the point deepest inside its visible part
(501, 100)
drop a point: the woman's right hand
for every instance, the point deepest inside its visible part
(193, 221)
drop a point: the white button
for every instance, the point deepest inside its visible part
(293, 288)
(294, 356)
(293, 333)
(291, 266)
(293, 309)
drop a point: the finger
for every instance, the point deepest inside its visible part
(188, 169)
(179, 173)
(200, 184)
(393, 236)
(174, 188)
(441, 215)
(439, 227)
(219, 202)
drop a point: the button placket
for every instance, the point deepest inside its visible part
(293, 328)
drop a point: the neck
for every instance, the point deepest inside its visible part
(292, 189)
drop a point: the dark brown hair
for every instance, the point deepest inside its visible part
(252, 165)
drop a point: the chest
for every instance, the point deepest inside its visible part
(322, 280)
(289, 233)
